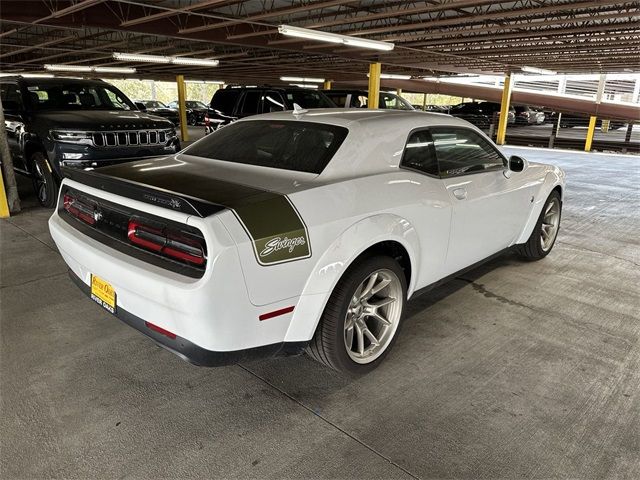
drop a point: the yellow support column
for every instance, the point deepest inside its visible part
(182, 109)
(4, 205)
(504, 110)
(374, 85)
(399, 92)
(326, 85)
(590, 133)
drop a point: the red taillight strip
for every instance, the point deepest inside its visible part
(78, 209)
(160, 330)
(171, 247)
(276, 313)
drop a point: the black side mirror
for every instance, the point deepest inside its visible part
(141, 106)
(516, 163)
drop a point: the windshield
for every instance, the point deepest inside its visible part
(192, 104)
(309, 99)
(76, 96)
(154, 104)
(288, 145)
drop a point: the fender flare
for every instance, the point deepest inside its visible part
(339, 256)
(553, 179)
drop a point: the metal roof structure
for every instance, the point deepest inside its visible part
(431, 37)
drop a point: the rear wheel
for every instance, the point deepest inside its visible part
(44, 181)
(361, 320)
(545, 232)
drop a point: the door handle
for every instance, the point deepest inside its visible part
(460, 193)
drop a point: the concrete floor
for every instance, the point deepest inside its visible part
(518, 369)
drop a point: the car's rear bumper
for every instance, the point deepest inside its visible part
(191, 352)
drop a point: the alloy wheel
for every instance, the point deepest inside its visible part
(550, 224)
(373, 316)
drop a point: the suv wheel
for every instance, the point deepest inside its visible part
(44, 181)
(360, 322)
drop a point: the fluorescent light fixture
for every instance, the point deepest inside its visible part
(84, 68)
(114, 70)
(67, 68)
(304, 85)
(334, 38)
(195, 61)
(302, 79)
(541, 71)
(214, 82)
(137, 57)
(36, 75)
(394, 76)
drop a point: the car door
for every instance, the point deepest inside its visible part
(13, 107)
(432, 218)
(488, 208)
(249, 103)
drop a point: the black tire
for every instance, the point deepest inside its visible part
(45, 183)
(192, 120)
(328, 343)
(533, 249)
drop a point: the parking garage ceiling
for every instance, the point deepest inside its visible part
(431, 38)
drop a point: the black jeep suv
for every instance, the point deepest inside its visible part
(232, 103)
(54, 122)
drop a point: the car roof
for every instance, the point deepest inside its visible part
(376, 138)
(381, 118)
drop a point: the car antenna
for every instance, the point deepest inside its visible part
(298, 110)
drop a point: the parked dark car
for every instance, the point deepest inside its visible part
(360, 98)
(155, 107)
(196, 111)
(56, 122)
(481, 114)
(526, 115)
(569, 120)
(232, 103)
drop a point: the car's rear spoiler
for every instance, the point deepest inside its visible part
(144, 193)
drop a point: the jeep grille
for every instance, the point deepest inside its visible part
(129, 138)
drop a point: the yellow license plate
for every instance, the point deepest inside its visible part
(103, 293)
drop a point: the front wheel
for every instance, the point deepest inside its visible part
(44, 181)
(361, 320)
(545, 232)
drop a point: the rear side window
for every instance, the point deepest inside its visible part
(225, 101)
(460, 151)
(288, 145)
(272, 102)
(419, 153)
(250, 103)
(309, 99)
(11, 98)
(340, 99)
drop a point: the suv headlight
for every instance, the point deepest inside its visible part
(72, 136)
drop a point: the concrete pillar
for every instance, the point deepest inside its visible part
(592, 120)
(504, 110)
(375, 69)
(182, 109)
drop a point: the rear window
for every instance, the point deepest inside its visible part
(288, 145)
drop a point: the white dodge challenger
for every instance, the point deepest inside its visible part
(299, 231)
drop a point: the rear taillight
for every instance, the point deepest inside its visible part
(206, 120)
(170, 243)
(81, 210)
